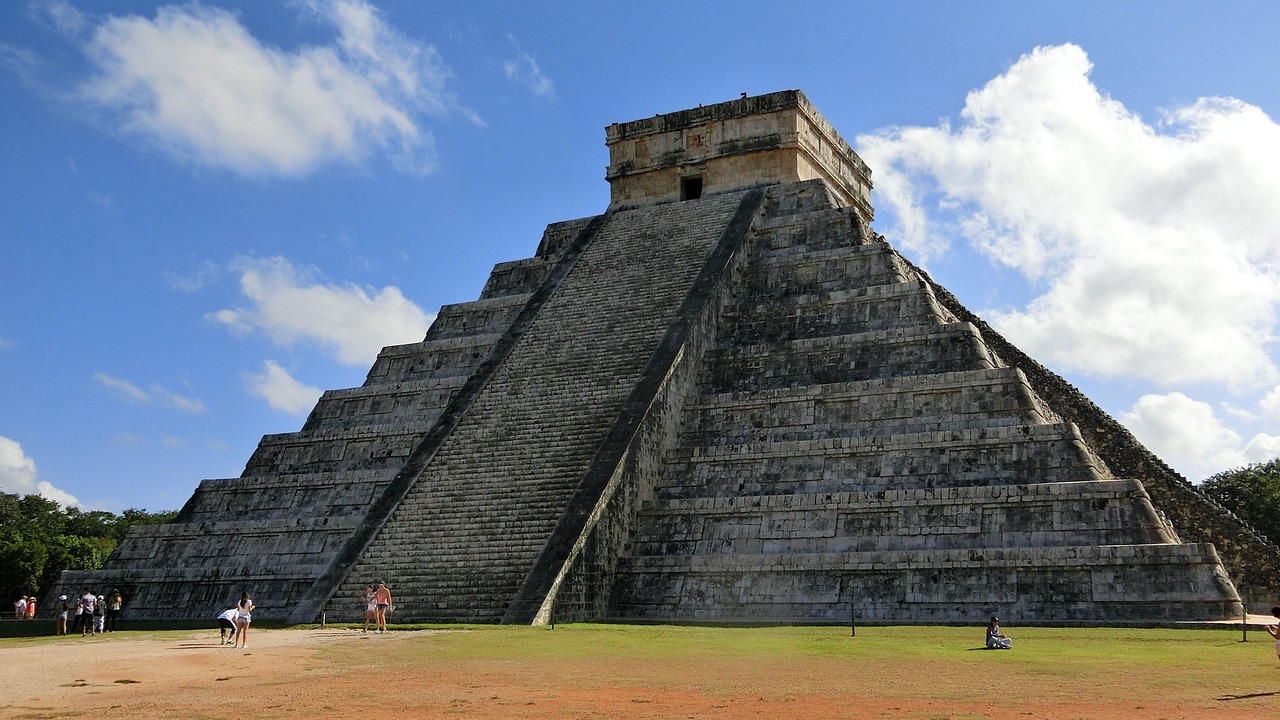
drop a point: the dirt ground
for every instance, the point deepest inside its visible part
(342, 673)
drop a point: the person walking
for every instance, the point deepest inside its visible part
(88, 603)
(244, 615)
(370, 607)
(382, 597)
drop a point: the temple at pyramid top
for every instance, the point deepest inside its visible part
(722, 399)
(779, 137)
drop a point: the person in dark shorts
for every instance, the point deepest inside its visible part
(227, 626)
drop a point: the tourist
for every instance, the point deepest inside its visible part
(84, 611)
(1274, 630)
(370, 606)
(20, 607)
(997, 640)
(61, 611)
(244, 614)
(31, 608)
(99, 615)
(115, 603)
(382, 596)
(227, 626)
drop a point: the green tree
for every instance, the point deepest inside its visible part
(22, 563)
(1252, 493)
(39, 539)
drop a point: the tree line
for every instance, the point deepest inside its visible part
(39, 539)
(1252, 493)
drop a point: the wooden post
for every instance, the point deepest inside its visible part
(1244, 623)
(853, 626)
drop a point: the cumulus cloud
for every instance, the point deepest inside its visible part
(281, 390)
(290, 307)
(1154, 247)
(196, 83)
(1190, 436)
(524, 70)
(155, 393)
(1185, 433)
(18, 475)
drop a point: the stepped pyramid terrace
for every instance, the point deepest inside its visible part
(723, 399)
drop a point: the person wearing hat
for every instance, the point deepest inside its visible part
(382, 596)
(61, 611)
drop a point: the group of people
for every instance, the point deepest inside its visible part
(24, 608)
(233, 623)
(88, 613)
(377, 603)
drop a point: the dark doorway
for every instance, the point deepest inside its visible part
(690, 188)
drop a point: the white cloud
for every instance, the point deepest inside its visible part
(352, 322)
(156, 393)
(1155, 247)
(524, 69)
(18, 475)
(281, 390)
(195, 82)
(1270, 404)
(203, 274)
(1186, 434)
(61, 15)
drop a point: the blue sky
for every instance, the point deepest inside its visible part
(211, 212)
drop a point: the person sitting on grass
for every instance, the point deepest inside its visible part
(997, 640)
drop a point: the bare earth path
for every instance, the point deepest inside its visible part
(337, 672)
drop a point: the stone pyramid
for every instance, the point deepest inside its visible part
(723, 399)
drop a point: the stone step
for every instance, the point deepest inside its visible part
(800, 199)
(839, 312)
(517, 277)
(1115, 512)
(292, 542)
(995, 397)
(843, 268)
(924, 350)
(986, 456)
(372, 405)
(332, 494)
(817, 229)
(374, 448)
(446, 357)
(1177, 582)
(486, 316)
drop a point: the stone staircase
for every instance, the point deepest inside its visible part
(462, 539)
(855, 449)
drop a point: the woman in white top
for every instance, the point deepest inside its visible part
(244, 610)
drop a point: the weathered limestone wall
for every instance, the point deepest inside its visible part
(779, 137)
(1252, 562)
(856, 446)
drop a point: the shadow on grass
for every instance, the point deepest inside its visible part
(1225, 698)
